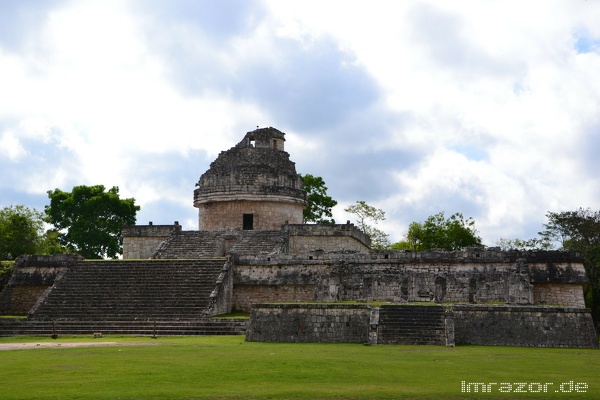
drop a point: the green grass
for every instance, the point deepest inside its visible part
(234, 314)
(227, 367)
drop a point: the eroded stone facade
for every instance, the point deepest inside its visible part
(32, 276)
(326, 238)
(527, 326)
(473, 277)
(558, 294)
(246, 295)
(258, 214)
(253, 185)
(524, 326)
(142, 241)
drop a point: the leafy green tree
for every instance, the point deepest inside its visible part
(50, 243)
(437, 232)
(89, 219)
(21, 231)
(580, 231)
(6, 270)
(366, 214)
(402, 245)
(319, 204)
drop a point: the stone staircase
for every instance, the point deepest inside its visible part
(201, 244)
(204, 326)
(139, 290)
(129, 297)
(260, 242)
(411, 324)
(190, 244)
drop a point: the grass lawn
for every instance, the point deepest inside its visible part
(227, 367)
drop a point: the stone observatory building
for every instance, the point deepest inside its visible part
(252, 186)
(300, 282)
(250, 201)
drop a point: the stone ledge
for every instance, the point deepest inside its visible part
(512, 308)
(311, 305)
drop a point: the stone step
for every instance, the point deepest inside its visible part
(162, 327)
(162, 288)
(408, 324)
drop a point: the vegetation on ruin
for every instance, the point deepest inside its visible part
(227, 367)
(6, 270)
(88, 220)
(439, 232)
(367, 216)
(318, 203)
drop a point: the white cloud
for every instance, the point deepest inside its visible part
(486, 108)
(10, 146)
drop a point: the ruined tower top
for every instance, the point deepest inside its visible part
(253, 185)
(264, 138)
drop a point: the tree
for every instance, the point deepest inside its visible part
(402, 245)
(319, 204)
(21, 231)
(365, 214)
(89, 219)
(580, 231)
(437, 232)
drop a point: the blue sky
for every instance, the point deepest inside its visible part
(487, 108)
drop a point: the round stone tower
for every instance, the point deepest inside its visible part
(253, 185)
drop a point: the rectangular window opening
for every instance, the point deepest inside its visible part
(248, 222)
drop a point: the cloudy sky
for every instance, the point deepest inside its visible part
(488, 108)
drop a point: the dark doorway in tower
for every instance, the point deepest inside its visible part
(248, 222)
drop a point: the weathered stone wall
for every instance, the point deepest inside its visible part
(221, 298)
(368, 282)
(141, 241)
(267, 215)
(559, 294)
(524, 326)
(468, 277)
(19, 299)
(32, 276)
(320, 323)
(430, 282)
(464, 324)
(327, 238)
(244, 296)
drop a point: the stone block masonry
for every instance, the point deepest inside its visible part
(527, 326)
(558, 294)
(141, 241)
(266, 215)
(32, 276)
(524, 326)
(245, 296)
(326, 238)
(311, 323)
(18, 299)
(444, 277)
